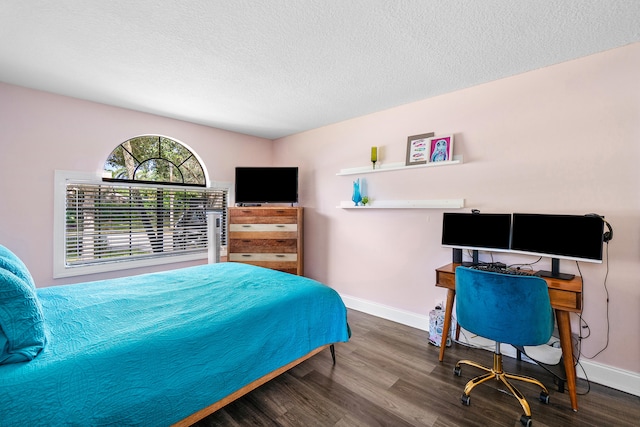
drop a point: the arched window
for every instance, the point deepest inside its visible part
(149, 207)
(154, 158)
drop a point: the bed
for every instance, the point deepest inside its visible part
(154, 349)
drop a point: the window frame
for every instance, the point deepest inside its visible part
(60, 267)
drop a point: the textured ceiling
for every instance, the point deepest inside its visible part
(272, 68)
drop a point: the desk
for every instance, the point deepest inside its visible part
(565, 296)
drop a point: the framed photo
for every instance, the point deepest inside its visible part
(441, 148)
(418, 149)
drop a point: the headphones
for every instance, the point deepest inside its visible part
(608, 235)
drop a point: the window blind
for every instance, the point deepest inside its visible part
(109, 222)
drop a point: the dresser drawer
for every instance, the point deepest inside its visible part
(291, 267)
(265, 212)
(263, 245)
(263, 220)
(263, 231)
(262, 228)
(263, 257)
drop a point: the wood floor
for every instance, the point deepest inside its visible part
(388, 375)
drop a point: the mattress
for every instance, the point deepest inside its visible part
(153, 349)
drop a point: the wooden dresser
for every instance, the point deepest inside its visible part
(267, 236)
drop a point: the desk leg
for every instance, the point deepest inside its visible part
(451, 295)
(564, 328)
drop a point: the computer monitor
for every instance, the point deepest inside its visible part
(475, 231)
(571, 237)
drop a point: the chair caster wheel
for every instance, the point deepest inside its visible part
(456, 371)
(465, 399)
(544, 397)
(526, 421)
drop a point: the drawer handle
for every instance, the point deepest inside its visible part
(246, 241)
(246, 211)
(246, 226)
(280, 225)
(280, 211)
(246, 255)
(280, 255)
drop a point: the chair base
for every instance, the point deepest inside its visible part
(497, 373)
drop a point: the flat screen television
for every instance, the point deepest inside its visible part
(571, 237)
(476, 231)
(257, 185)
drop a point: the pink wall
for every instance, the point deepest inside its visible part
(560, 139)
(563, 139)
(41, 133)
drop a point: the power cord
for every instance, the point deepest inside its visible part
(583, 325)
(586, 326)
(529, 265)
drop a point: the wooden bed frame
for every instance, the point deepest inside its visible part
(194, 418)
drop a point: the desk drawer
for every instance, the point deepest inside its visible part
(445, 279)
(566, 300)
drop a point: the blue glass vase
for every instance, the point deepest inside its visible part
(357, 197)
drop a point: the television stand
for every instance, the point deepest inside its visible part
(555, 271)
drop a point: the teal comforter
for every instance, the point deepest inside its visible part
(153, 349)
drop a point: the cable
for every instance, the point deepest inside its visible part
(470, 255)
(584, 325)
(607, 310)
(586, 379)
(529, 265)
(467, 341)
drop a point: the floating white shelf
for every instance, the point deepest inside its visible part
(397, 166)
(407, 204)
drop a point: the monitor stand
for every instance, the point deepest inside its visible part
(457, 258)
(555, 271)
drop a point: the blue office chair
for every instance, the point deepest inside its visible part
(511, 309)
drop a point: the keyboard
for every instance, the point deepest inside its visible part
(501, 269)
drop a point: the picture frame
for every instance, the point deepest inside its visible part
(441, 148)
(418, 147)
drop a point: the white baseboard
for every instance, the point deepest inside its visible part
(390, 313)
(610, 376)
(619, 379)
